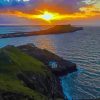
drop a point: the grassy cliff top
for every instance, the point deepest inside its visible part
(13, 62)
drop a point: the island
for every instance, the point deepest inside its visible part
(58, 29)
(30, 73)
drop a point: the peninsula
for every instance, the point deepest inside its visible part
(58, 29)
(25, 73)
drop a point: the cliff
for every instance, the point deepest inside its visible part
(23, 77)
(56, 64)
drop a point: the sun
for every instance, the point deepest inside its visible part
(47, 16)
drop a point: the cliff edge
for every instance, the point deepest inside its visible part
(23, 77)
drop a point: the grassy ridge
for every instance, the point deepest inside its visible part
(13, 62)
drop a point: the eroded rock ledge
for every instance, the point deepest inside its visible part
(63, 66)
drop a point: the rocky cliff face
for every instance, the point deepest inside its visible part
(23, 77)
(47, 85)
(63, 66)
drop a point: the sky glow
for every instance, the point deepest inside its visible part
(51, 10)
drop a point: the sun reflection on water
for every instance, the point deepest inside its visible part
(45, 43)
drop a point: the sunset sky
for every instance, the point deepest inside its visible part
(21, 12)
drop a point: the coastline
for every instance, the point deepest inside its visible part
(58, 29)
(45, 81)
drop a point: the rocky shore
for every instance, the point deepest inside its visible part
(58, 29)
(26, 73)
(61, 66)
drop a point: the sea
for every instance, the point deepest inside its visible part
(81, 47)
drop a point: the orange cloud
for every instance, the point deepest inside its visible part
(84, 13)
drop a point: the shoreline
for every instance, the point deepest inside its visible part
(58, 29)
(65, 67)
(44, 80)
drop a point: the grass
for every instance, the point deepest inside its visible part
(12, 62)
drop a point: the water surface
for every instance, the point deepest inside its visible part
(81, 47)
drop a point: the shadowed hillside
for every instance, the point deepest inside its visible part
(25, 78)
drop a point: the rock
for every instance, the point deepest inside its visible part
(23, 77)
(63, 66)
(49, 85)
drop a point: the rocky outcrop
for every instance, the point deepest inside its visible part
(23, 77)
(48, 86)
(63, 66)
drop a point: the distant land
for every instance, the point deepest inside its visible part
(58, 29)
